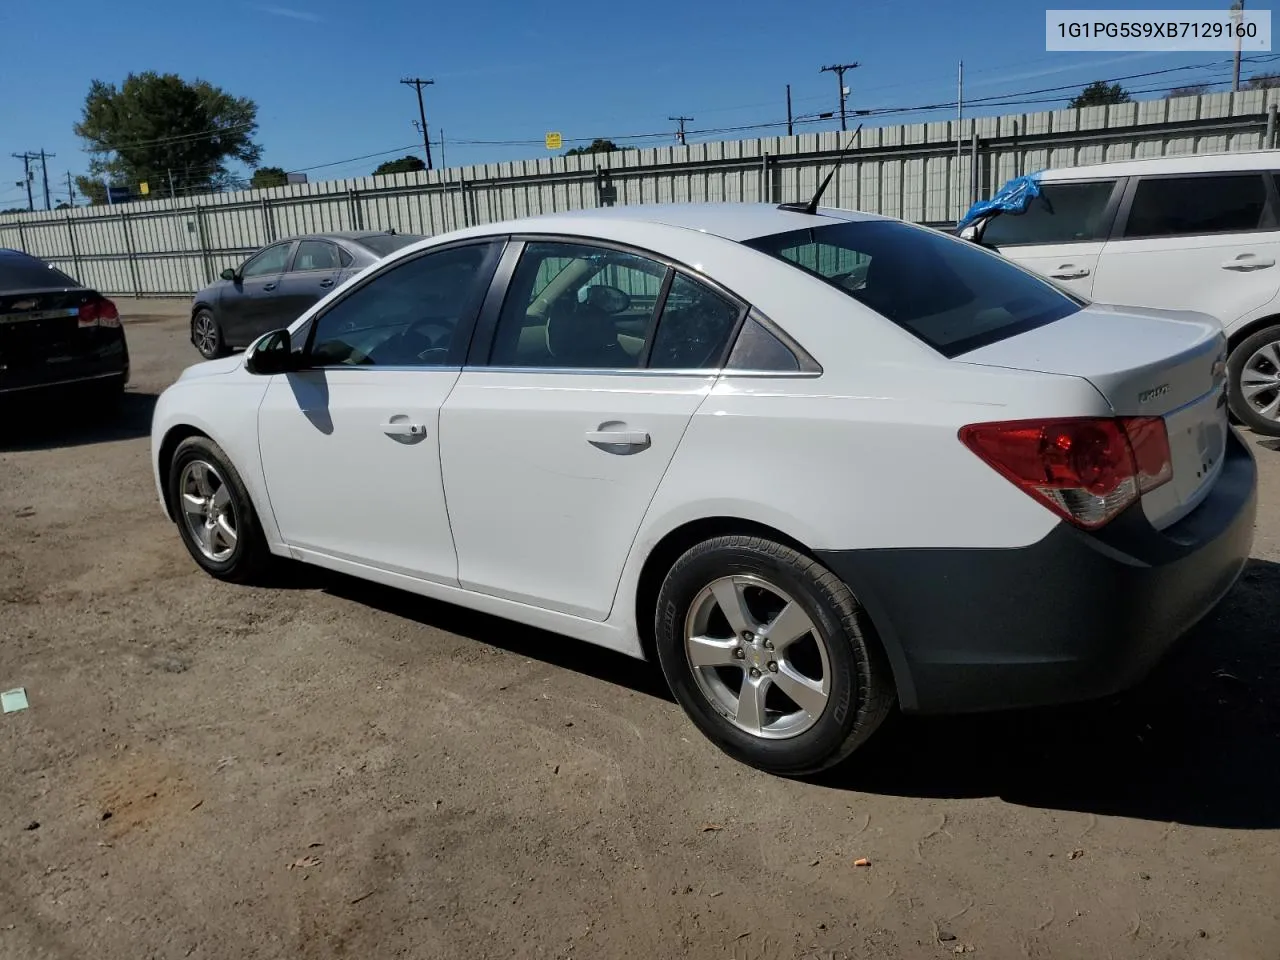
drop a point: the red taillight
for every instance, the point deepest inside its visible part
(1086, 469)
(99, 313)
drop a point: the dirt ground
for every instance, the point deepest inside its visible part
(333, 769)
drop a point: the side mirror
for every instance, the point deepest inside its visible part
(270, 354)
(229, 273)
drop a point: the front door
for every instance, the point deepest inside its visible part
(1061, 233)
(246, 300)
(350, 445)
(313, 273)
(553, 451)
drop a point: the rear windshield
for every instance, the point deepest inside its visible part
(385, 243)
(28, 273)
(949, 293)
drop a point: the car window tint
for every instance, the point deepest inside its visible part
(575, 305)
(1173, 206)
(270, 260)
(694, 328)
(21, 272)
(315, 255)
(949, 293)
(1064, 212)
(345, 258)
(758, 349)
(385, 243)
(416, 314)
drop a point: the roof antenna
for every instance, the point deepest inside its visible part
(811, 206)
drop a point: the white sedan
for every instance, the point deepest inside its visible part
(815, 463)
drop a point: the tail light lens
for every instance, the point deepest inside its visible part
(99, 313)
(1085, 469)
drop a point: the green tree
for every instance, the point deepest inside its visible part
(406, 164)
(156, 125)
(1191, 90)
(265, 177)
(1262, 81)
(1100, 93)
(14, 210)
(597, 146)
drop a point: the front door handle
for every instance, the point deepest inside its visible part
(618, 438)
(1069, 271)
(1248, 261)
(268, 286)
(403, 428)
(326, 283)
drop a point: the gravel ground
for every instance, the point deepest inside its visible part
(333, 769)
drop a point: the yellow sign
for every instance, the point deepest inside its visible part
(144, 188)
(554, 141)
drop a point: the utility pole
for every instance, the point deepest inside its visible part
(790, 131)
(417, 84)
(44, 173)
(838, 69)
(682, 121)
(1237, 17)
(26, 159)
(71, 191)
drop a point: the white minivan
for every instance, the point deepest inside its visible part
(1186, 233)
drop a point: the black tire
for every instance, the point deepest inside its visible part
(1241, 407)
(209, 349)
(861, 684)
(250, 559)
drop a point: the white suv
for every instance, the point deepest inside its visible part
(1196, 233)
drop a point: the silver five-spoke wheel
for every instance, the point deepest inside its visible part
(757, 657)
(205, 334)
(1260, 380)
(208, 510)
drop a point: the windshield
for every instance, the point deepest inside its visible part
(19, 273)
(949, 293)
(385, 243)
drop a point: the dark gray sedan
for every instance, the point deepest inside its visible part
(274, 286)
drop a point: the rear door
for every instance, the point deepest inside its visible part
(311, 275)
(555, 439)
(1062, 232)
(1206, 242)
(247, 301)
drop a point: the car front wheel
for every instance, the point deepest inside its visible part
(1253, 381)
(771, 655)
(215, 516)
(206, 334)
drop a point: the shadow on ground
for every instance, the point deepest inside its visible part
(49, 425)
(1197, 743)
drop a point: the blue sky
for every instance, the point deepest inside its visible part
(325, 72)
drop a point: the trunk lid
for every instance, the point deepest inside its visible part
(41, 326)
(1144, 362)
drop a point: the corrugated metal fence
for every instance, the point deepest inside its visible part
(928, 172)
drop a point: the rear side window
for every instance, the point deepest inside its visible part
(949, 293)
(1063, 213)
(695, 326)
(1179, 206)
(315, 255)
(28, 273)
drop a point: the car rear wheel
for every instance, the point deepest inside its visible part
(771, 655)
(215, 516)
(206, 334)
(1253, 381)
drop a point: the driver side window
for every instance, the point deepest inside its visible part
(269, 261)
(417, 314)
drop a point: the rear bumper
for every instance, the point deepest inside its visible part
(101, 361)
(1073, 617)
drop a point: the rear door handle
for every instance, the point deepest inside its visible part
(618, 438)
(403, 428)
(1247, 261)
(326, 283)
(268, 286)
(1069, 271)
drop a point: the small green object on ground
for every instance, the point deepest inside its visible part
(13, 700)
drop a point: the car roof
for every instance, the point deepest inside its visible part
(348, 235)
(732, 221)
(1191, 163)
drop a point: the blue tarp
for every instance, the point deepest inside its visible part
(1014, 197)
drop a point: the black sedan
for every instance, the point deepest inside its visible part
(57, 336)
(274, 286)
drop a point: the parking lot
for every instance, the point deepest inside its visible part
(329, 768)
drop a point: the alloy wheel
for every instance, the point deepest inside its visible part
(1260, 381)
(205, 333)
(208, 510)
